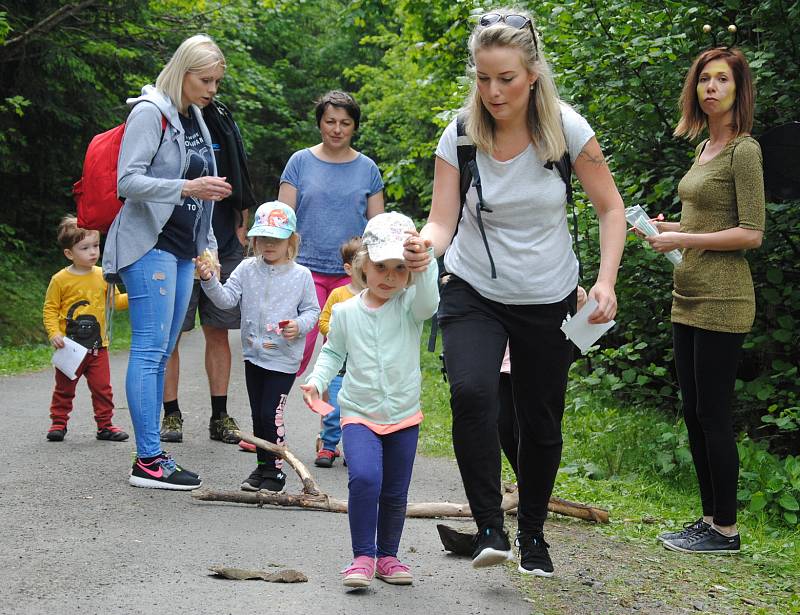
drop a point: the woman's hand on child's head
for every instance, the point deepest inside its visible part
(57, 341)
(415, 252)
(290, 330)
(310, 393)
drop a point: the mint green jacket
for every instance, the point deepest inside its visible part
(382, 382)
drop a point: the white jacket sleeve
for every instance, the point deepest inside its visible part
(422, 299)
(332, 355)
(228, 295)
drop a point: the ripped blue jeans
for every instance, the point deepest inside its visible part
(159, 286)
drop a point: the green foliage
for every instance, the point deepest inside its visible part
(620, 63)
(22, 289)
(769, 484)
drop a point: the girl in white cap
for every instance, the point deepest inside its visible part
(378, 331)
(278, 306)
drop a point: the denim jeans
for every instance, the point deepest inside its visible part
(331, 427)
(159, 286)
(379, 473)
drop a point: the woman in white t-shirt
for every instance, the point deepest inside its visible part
(518, 284)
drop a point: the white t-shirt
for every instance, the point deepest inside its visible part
(527, 228)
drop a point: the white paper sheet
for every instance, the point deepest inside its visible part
(68, 359)
(578, 329)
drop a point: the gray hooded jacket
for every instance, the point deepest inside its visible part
(149, 179)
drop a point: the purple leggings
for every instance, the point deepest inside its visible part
(379, 470)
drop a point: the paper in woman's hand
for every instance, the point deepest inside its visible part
(580, 331)
(69, 358)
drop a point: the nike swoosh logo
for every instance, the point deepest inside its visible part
(158, 474)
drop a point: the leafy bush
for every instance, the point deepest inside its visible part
(769, 484)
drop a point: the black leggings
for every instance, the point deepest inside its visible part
(267, 391)
(706, 362)
(475, 331)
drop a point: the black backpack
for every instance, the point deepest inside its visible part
(470, 177)
(84, 328)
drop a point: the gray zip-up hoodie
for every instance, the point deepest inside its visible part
(148, 178)
(269, 294)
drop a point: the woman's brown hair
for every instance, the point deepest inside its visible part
(693, 119)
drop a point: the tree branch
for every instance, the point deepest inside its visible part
(49, 22)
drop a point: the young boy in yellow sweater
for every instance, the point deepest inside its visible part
(331, 432)
(74, 307)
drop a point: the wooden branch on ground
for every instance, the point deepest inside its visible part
(310, 486)
(313, 498)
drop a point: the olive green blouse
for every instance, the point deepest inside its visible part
(714, 289)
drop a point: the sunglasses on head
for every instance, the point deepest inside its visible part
(515, 21)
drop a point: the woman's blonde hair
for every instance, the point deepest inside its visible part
(360, 260)
(197, 53)
(544, 106)
(294, 245)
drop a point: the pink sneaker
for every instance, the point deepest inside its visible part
(360, 572)
(393, 571)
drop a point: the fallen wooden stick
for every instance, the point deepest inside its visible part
(310, 485)
(313, 498)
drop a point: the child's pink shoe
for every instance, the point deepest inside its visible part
(360, 572)
(393, 571)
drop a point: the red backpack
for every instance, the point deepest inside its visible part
(95, 193)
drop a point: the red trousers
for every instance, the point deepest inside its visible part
(98, 377)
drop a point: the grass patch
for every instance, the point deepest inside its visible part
(33, 357)
(632, 461)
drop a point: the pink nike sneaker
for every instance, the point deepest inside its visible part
(162, 473)
(391, 570)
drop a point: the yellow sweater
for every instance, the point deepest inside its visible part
(67, 288)
(337, 295)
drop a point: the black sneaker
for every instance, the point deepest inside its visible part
(707, 541)
(163, 473)
(491, 548)
(168, 456)
(689, 529)
(57, 434)
(253, 482)
(456, 541)
(222, 429)
(172, 428)
(272, 480)
(533, 555)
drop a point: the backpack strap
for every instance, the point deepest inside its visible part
(564, 168)
(469, 176)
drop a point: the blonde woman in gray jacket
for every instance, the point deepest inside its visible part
(167, 176)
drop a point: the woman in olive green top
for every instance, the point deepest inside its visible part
(713, 306)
